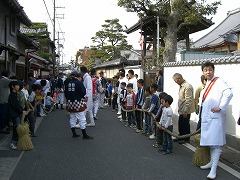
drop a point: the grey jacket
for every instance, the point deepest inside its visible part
(4, 89)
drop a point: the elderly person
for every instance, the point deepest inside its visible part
(214, 100)
(185, 106)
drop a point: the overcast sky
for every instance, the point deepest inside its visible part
(83, 18)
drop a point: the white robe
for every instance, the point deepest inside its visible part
(213, 124)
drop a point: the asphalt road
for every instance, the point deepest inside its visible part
(116, 153)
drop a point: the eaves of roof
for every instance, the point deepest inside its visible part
(27, 40)
(18, 10)
(220, 33)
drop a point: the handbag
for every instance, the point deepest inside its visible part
(76, 106)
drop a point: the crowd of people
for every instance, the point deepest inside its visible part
(144, 108)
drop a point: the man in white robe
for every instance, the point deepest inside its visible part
(87, 82)
(215, 98)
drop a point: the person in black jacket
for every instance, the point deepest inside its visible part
(74, 93)
(15, 111)
(60, 91)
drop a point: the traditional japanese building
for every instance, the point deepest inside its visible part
(223, 38)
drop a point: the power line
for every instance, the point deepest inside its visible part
(48, 11)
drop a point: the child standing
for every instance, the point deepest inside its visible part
(15, 111)
(130, 104)
(109, 92)
(122, 96)
(159, 132)
(166, 124)
(154, 106)
(146, 106)
(139, 104)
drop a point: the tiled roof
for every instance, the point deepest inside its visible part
(222, 33)
(219, 60)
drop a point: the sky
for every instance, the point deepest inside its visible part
(83, 18)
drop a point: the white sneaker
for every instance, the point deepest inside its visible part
(119, 113)
(42, 114)
(77, 126)
(13, 146)
(90, 124)
(119, 117)
(152, 137)
(121, 120)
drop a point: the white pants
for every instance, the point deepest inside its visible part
(60, 98)
(119, 104)
(96, 104)
(89, 111)
(101, 99)
(80, 117)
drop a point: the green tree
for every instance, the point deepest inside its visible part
(109, 41)
(175, 14)
(39, 32)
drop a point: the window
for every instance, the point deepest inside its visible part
(13, 26)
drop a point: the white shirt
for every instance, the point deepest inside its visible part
(134, 82)
(25, 93)
(166, 118)
(87, 82)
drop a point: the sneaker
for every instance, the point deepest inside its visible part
(152, 137)
(42, 115)
(167, 152)
(95, 117)
(119, 117)
(77, 126)
(13, 146)
(156, 145)
(90, 124)
(118, 113)
(121, 120)
(138, 130)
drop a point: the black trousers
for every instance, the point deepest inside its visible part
(114, 101)
(184, 126)
(139, 118)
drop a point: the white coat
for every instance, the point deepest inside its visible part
(213, 124)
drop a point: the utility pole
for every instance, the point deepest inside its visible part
(54, 30)
(54, 34)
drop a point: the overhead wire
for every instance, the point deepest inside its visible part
(48, 12)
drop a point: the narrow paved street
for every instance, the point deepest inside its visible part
(116, 152)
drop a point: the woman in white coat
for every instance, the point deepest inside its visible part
(215, 98)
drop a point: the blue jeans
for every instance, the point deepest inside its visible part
(167, 140)
(16, 122)
(130, 118)
(148, 122)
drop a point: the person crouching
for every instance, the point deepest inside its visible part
(74, 93)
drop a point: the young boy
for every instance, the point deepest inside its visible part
(49, 102)
(109, 91)
(166, 124)
(15, 111)
(146, 106)
(139, 104)
(130, 104)
(36, 90)
(159, 132)
(154, 106)
(122, 96)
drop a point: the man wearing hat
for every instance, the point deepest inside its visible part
(104, 86)
(87, 82)
(75, 93)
